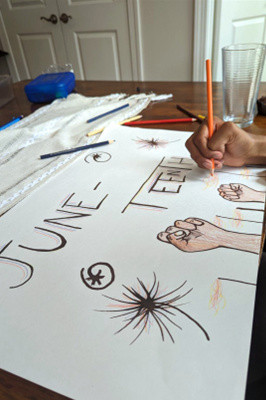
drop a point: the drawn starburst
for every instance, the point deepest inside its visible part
(152, 143)
(144, 306)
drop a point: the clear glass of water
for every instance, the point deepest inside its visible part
(242, 69)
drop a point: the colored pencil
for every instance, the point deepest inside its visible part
(160, 121)
(210, 106)
(67, 151)
(108, 113)
(12, 122)
(198, 117)
(119, 123)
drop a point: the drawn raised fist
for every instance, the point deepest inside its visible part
(241, 193)
(195, 234)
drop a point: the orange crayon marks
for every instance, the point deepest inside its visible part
(211, 181)
(245, 173)
(237, 219)
(217, 299)
(219, 222)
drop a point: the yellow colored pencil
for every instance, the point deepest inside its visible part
(120, 123)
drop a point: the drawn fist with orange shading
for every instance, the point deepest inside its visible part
(241, 193)
(195, 234)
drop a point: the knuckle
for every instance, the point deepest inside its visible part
(187, 144)
(229, 125)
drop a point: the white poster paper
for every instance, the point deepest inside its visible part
(132, 274)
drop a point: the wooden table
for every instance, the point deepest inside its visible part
(191, 95)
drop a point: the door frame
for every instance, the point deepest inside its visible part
(133, 8)
(10, 58)
(204, 14)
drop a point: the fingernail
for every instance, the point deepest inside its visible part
(172, 229)
(207, 164)
(163, 237)
(217, 156)
(178, 234)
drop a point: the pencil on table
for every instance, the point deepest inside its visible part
(198, 117)
(114, 110)
(75, 149)
(210, 107)
(160, 121)
(120, 123)
(12, 122)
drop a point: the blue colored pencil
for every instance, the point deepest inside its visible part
(13, 121)
(67, 151)
(107, 113)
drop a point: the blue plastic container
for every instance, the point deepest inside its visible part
(47, 87)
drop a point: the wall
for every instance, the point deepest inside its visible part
(166, 39)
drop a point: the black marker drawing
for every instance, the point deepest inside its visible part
(135, 195)
(61, 241)
(96, 187)
(237, 281)
(194, 234)
(100, 156)
(239, 219)
(159, 186)
(98, 276)
(25, 267)
(71, 215)
(241, 193)
(217, 299)
(152, 143)
(165, 179)
(249, 209)
(142, 306)
(80, 204)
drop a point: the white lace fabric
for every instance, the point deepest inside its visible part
(57, 126)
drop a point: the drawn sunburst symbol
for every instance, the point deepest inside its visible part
(142, 308)
(152, 143)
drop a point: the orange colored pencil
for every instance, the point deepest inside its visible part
(210, 107)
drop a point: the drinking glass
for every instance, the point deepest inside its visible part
(242, 69)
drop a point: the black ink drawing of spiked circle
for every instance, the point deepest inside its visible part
(98, 276)
(142, 306)
(152, 143)
(100, 156)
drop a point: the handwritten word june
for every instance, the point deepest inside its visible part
(71, 212)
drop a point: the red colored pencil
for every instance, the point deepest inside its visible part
(160, 121)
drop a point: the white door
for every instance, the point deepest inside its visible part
(147, 40)
(237, 21)
(97, 38)
(33, 43)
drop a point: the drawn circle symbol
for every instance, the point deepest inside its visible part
(99, 156)
(98, 276)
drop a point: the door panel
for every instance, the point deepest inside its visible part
(248, 29)
(97, 39)
(237, 21)
(25, 3)
(34, 43)
(92, 49)
(30, 46)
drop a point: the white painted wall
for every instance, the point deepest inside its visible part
(166, 39)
